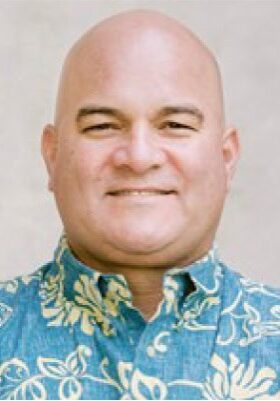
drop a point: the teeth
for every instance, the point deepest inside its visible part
(135, 193)
(139, 193)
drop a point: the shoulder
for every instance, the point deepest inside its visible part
(250, 289)
(252, 306)
(15, 293)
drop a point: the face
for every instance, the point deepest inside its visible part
(138, 162)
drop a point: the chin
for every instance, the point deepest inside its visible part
(141, 242)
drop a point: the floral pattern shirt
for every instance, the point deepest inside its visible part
(69, 332)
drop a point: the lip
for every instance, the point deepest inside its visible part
(126, 190)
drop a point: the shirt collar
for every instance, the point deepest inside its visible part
(204, 272)
(112, 289)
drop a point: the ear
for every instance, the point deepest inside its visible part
(231, 152)
(49, 150)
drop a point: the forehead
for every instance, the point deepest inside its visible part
(148, 67)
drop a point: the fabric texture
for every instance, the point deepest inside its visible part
(70, 332)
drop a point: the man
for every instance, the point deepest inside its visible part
(136, 303)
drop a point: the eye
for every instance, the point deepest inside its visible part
(100, 127)
(177, 126)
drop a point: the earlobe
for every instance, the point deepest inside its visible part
(231, 152)
(48, 150)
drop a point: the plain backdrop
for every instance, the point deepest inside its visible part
(244, 35)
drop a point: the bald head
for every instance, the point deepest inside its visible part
(147, 37)
(139, 106)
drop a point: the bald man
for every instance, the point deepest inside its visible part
(136, 303)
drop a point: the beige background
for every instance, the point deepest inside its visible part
(245, 36)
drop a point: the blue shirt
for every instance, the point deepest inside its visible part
(70, 332)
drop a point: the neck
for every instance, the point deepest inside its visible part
(146, 288)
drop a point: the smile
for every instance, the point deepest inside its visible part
(140, 192)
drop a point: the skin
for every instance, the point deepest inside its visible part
(166, 131)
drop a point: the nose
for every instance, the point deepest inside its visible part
(141, 151)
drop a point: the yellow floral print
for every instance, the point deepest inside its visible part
(237, 381)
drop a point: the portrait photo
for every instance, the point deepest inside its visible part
(139, 174)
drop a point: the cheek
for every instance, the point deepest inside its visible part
(201, 166)
(79, 164)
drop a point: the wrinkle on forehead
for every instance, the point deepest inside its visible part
(103, 48)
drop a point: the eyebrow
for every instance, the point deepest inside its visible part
(89, 110)
(185, 109)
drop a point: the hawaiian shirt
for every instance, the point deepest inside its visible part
(69, 332)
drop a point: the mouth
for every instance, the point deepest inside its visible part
(141, 192)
